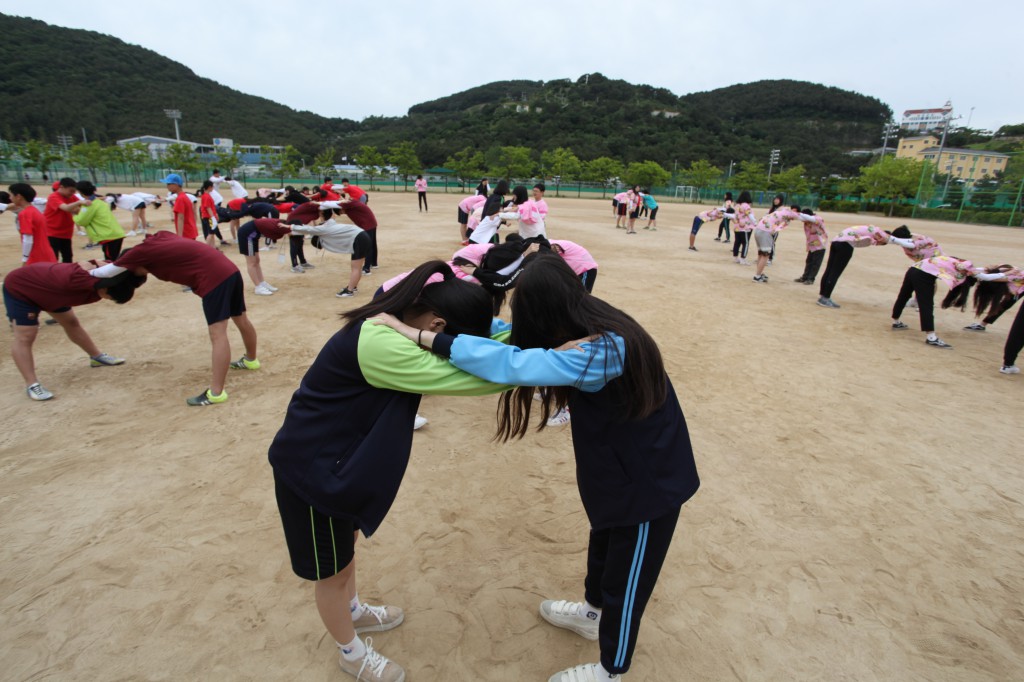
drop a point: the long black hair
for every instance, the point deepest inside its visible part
(990, 295)
(550, 307)
(121, 287)
(745, 198)
(775, 207)
(957, 297)
(465, 307)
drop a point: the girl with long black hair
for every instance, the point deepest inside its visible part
(745, 221)
(634, 462)
(487, 230)
(342, 451)
(920, 282)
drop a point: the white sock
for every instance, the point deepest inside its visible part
(354, 650)
(355, 607)
(932, 336)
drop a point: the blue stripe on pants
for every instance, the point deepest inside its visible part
(634, 578)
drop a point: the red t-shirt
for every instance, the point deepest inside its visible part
(207, 209)
(60, 224)
(360, 214)
(31, 222)
(354, 192)
(284, 206)
(182, 261)
(236, 204)
(269, 227)
(304, 213)
(52, 286)
(183, 205)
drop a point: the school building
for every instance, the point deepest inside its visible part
(926, 120)
(248, 153)
(965, 164)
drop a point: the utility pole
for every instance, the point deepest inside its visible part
(174, 114)
(65, 140)
(772, 160)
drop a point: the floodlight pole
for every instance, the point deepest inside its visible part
(773, 159)
(174, 114)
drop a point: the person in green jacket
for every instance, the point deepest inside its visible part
(96, 218)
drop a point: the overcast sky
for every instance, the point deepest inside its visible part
(391, 54)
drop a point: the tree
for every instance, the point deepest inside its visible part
(467, 164)
(604, 170)
(371, 162)
(181, 157)
(561, 164)
(891, 178)
(750, 176)
(647, 174)
(90, 156)
(403, 157)
(701, 174)
(227, 160)
(791, 181)
(39, 155)
(323, 164)
(135, 155)
(512, 162)
(281, 163)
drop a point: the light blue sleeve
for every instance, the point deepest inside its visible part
(588, 370)
(499, 325)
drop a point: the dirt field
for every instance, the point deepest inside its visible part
(860, 516)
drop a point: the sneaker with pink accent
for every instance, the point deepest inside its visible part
(561, 418)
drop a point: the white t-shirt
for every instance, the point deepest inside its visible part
(237, 189)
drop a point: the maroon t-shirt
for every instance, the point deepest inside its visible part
(360, 214)
(271, 228)
(52, 286)
(304, 213)
(183, 261)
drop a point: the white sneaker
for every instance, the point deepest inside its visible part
(1012, 369)
(297, 269)
(561, 418)
(571, 615)
(588, 672)
(268, 285)
(37, 392)
(130, 234)
(419, 422)
(261, 290)
(378, 619)
(372, 666)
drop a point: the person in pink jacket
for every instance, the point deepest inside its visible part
(466, 208)
(817, 238)
(579, 259)
(745, 221)
(920, 280)
(421, 192)
(765, 233)
(840, 253)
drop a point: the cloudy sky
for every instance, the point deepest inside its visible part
(392, 54)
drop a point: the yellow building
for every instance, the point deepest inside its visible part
(966, 164)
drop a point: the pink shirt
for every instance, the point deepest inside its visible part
(475, 217)
(863, 235)
(469, 203)
(745, 219)
(924, 247)
(474, 253)
(951, 271)
(421, 185)
(1015, 281)
(710, 214)
(575, 256)
(814, 232)
(775, 222)
(621, 197)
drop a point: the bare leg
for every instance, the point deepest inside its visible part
(762, 260)
(221, 356)
(76, 332)
(252, 266)
(248, 332)
(234, 229)
(356, 274)
(332, 601)
(21, 351)
(693, 238)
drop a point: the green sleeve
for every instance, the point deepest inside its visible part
(388, 360)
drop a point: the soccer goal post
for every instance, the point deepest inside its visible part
(686, 192)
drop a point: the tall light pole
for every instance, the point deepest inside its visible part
(65, 140)
(773, 159)
(888, 130)
(176, 115)
(942, 143)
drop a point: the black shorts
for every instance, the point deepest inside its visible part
(463, 217)
(139, 206)
(622, 209)
(248, 240)
(654, 212)
(207, 227)
(635, 214)
(361, 245)
(226, 300)
(319, 546)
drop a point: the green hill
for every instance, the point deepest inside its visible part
(60, 80)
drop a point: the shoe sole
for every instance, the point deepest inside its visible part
(382, 627)
(585, 634)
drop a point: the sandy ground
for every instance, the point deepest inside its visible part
(860, 515)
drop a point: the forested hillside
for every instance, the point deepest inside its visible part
(57, 81)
